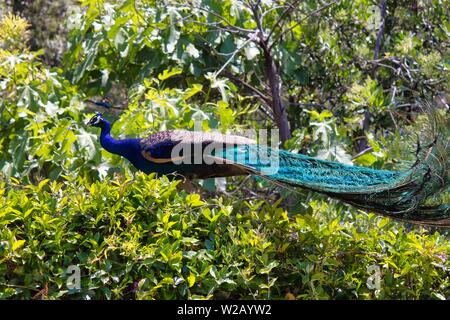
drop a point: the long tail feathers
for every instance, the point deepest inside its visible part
(403, 195)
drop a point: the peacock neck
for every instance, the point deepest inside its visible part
(120, 147)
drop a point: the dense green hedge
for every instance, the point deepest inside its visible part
(143, 239)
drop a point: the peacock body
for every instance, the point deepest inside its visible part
(398, 194)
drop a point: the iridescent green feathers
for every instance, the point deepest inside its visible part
(403, 195)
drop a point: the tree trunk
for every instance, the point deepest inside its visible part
(363, 143)
(278, 108)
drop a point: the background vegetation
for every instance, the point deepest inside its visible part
(339, 79)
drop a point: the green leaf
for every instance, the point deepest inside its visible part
(315, 116)
(166, 74)
(193, 200)
(192, 51)
(196, 88)
(267, 269)
(172, 40)
(17, 244)
(207, 214)
(225, 114)
(366, 159)
(42, 184)
(191, 279)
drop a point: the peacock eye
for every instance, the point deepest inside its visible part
(96, 120)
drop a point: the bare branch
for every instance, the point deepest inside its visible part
(272, 72)
(266, 113)
(233, 54)
(250, 87)
(254, 8)
(392, 103)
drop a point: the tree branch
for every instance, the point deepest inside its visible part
(281, 34)
(295, 104)
(250, 87)
(270, 10)
(233, 54)
(266, 100)
(274, 78)
(257, 17)
(383, 6)
(228, 23)
(362, 143)
(280, 19)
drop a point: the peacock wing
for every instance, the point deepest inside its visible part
(172, 145)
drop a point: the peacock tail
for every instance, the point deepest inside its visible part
(402, 194)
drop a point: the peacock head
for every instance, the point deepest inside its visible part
(97, 121)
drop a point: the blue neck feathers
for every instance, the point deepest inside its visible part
(131, 150)
(127, 148)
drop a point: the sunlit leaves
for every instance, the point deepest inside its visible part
(86, 141)
(368, 94)
(225, 114)
(366, 159)
(220, 84)
(40, 108)
(335, 153)
(166, 74)
(91, 52)
(196, 88)
(143, 235)
(17, 244)
(14, 33)
(194, 200)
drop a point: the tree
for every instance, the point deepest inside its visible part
(292, 59)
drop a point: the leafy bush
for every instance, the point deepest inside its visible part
(42, 134)
(140, 238)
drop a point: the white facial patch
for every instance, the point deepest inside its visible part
(96, 120)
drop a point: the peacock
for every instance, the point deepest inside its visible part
(401, 194)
